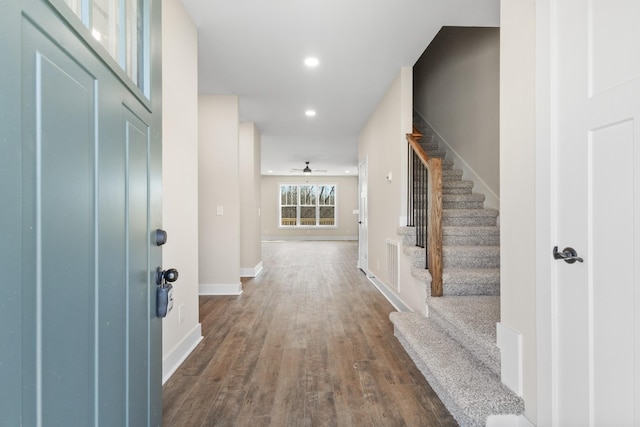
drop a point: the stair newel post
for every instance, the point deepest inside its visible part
(434, 234)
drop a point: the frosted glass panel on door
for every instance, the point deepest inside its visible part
(105, 25)
(133, 45)
(118, 25)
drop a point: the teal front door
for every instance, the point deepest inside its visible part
(80, 164)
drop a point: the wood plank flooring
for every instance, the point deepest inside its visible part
(308, 343)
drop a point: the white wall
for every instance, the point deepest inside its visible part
(250, 200)
(180, 180)
(517, 179)
(219, 195)
(456, 89)
(347, 201)
(383, 143)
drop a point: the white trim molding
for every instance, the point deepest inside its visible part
(295, 238)
(172, 361)
(220, 289)
(508, 421)
(251, 272)
(510, 344)
(396, 302)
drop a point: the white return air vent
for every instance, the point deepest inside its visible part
(393, 270)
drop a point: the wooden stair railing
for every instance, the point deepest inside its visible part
(429, 169)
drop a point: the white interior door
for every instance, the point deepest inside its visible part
(595, 81)
(363, 242)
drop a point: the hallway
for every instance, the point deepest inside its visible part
(308, 343)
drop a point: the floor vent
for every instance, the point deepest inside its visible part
(393, 271)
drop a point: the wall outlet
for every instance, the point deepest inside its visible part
(181, 313)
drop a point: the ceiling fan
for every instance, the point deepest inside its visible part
(307, 170)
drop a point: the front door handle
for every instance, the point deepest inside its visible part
(568, 255)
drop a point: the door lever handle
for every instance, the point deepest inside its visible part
(568, 255)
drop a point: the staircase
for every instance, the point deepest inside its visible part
(455, 345)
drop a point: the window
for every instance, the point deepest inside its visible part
(307, 205)
(119, 27)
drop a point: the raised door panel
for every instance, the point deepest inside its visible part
(58, 214)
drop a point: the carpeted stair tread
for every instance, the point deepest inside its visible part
(470, 320)
(468, 388)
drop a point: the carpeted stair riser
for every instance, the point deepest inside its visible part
(436, 153)
(478, 276)
(420, 195)
(451, 175)
(468, 281)
(471, 257)
(476, 236)
(469, 289)
(457, 187)
(421, 202)
(408, 235)
(472, 221)
(428, 144)
(470, 236)
(458, 202)
(462, 382)
(417, 255)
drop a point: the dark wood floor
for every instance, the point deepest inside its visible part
(308, 343)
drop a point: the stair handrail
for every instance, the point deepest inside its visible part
(433, 166)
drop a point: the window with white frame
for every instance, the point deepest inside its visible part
(308, 205)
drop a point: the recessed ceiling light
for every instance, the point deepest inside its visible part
(270, 171)
(311, 62)
(310, 113)
(346, 171)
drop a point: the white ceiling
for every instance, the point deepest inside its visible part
(255, 49)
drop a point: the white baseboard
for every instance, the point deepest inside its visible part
(510, 344)
(491, 198)
(251, 272)
(296, 238)
(389, 295)
(508, 421)
(220, 289)
(172, 361)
